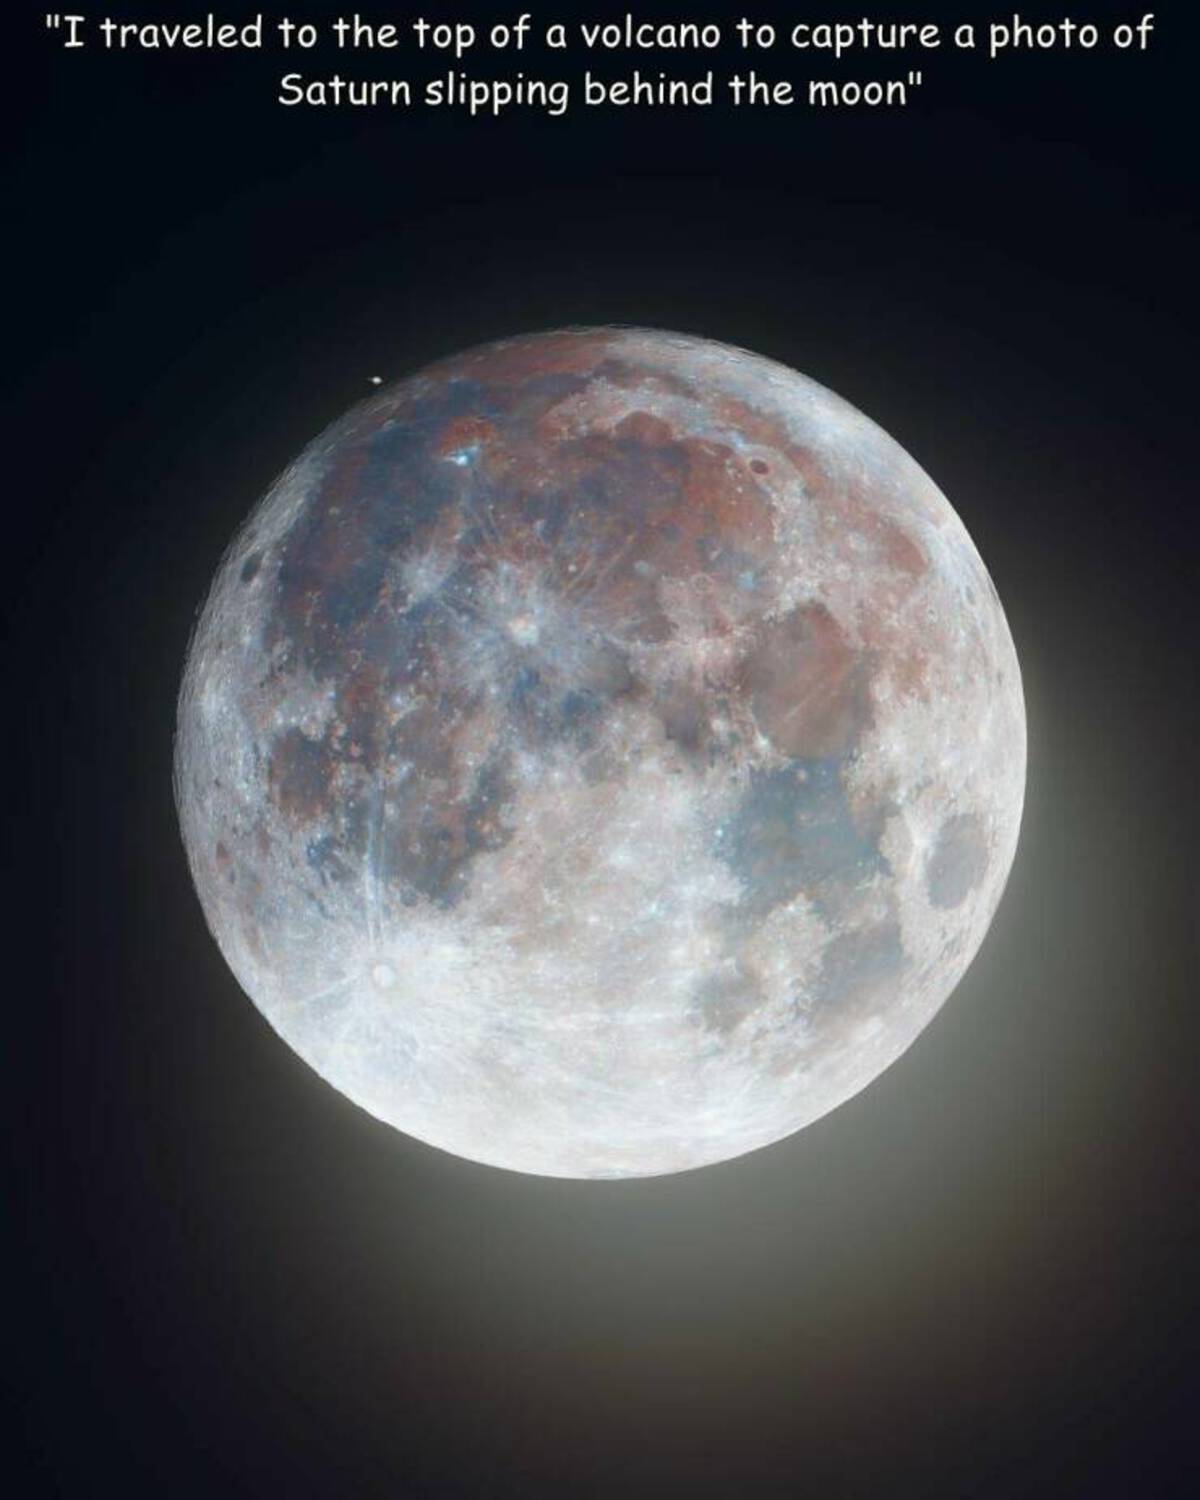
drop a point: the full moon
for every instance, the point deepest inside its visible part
(601, 753)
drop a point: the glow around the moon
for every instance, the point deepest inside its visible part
(601, 754)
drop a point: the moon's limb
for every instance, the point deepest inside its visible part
(602, 753)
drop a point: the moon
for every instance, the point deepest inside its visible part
(601, 753)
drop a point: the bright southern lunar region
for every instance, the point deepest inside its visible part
(601, 753)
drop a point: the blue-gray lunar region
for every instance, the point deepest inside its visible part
(601, 753)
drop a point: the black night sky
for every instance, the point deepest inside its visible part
(977, 1278)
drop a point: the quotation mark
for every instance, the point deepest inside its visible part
(71, 24)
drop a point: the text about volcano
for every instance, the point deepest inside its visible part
(489, 68)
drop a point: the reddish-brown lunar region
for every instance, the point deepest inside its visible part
(601, 753)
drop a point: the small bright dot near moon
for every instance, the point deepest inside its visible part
(578, 798)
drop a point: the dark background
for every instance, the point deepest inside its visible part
(974, 1279)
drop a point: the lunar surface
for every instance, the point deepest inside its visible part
(601, 753)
